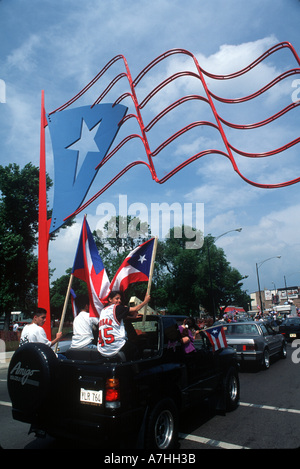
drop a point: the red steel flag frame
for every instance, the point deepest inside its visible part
(218, 123)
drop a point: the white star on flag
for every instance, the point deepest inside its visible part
(216, 337)
(142, 259)
(85, 143)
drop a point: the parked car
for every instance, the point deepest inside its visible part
(290, 328)
(272, 323)
(255, 342)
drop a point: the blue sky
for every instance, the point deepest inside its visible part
(58, 46)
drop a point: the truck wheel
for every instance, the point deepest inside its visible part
(231, 389)
(162, 426)
(30, 378)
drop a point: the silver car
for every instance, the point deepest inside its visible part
(255, 342)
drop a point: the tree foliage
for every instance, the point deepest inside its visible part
(58, 294)
(187, 280)
(184, 280)
(118, 238)
(18, 237)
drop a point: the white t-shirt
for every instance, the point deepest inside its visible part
(83, 330)
(112, 333)
(34, 333)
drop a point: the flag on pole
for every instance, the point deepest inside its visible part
(135, 268)
(88, 266)
(216, 336)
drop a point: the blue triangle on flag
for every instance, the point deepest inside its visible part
(71, 183)
(141, 259)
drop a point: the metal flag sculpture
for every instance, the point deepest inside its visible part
(218, 122)
(71, 185)
(71, 182)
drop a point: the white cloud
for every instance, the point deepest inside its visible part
(62, 46)
(24, 57)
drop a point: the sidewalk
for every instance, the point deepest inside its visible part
(5, 359)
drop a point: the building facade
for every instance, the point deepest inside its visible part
(271, 298)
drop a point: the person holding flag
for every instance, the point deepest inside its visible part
(112, 333)
(137, 267)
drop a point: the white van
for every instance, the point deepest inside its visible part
(286, 310)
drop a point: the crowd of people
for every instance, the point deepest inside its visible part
(111, 331)
(109, 328)
(112, 336)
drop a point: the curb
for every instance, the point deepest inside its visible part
(5, 359)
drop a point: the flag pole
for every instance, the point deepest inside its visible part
(150, 277)
(62, 319)
(43, 229)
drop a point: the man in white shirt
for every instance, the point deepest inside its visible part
(34, 331)
(83, 325)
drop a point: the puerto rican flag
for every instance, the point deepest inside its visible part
(135, 268)
(88, 266)
(216, 336)
(73, 303)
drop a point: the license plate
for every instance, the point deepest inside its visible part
(88, 396)
(293, 335)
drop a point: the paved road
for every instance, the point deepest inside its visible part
(268, 416)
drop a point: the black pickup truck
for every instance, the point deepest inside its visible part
(95, 398)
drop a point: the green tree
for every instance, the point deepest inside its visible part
(118, 238)
(183, 279)
(18, 237)
(186, 279)
(224, 282)
(58, 293)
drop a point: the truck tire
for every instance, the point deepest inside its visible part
(231, 389)
(30, 379)
(162, 426)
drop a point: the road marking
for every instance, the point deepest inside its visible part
(224, 445)
(269, 407)
(211, 442)
(8, 404)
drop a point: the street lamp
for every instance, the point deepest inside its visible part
(209, 269)
(258, 265)
(226, 232)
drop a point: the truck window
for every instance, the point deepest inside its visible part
(202, 342)
(145, 334)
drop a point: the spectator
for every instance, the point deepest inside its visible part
(34, 331)
(187, 335)
(83, 335)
